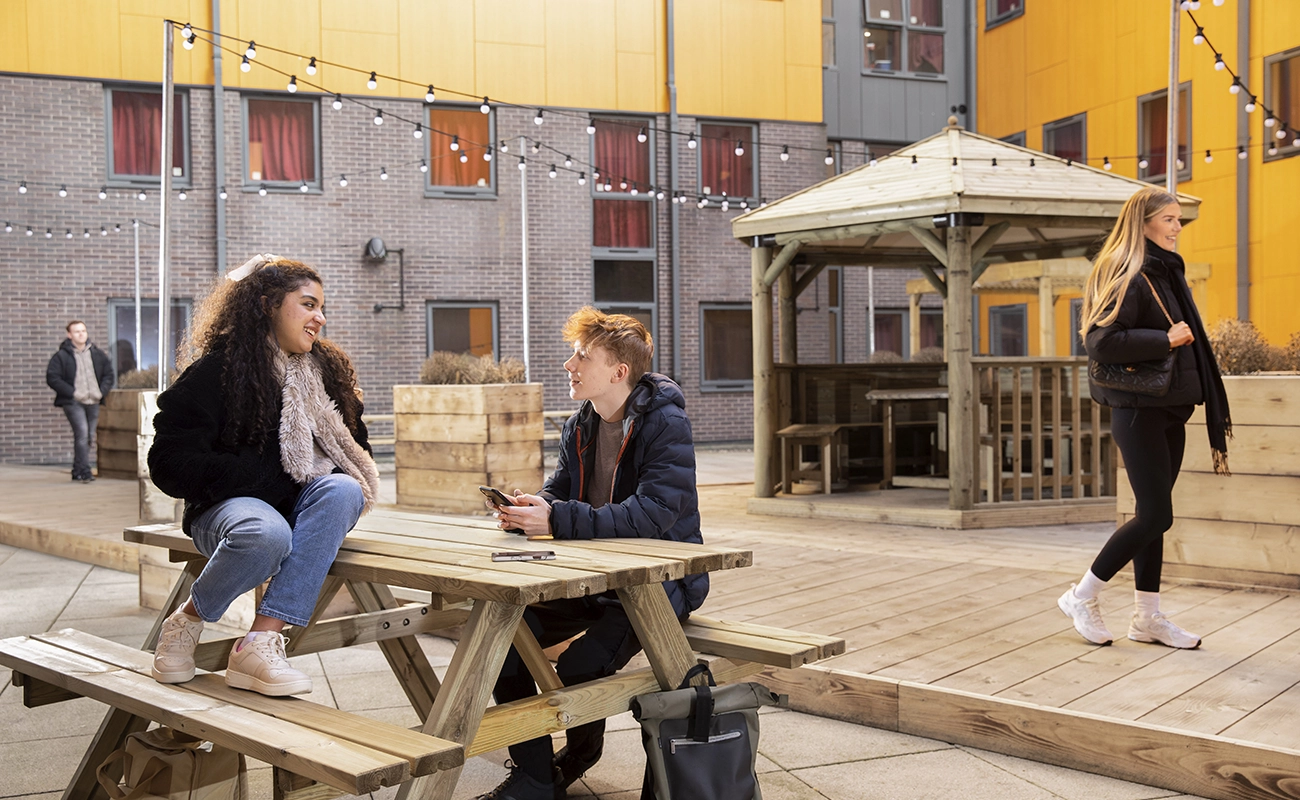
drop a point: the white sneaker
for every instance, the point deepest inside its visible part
(261, 666)
(1158, 628)
(173, 658)
(1086, 615)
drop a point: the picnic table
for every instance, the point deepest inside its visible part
(450, 558)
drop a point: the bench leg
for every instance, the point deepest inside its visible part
(539, 666)
(661, 635)
(408, 661)
(464, 697)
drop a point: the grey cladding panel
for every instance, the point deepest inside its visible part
(884, 109)
(927, 107)
(830, 99)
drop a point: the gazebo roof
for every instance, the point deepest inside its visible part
(865, 215)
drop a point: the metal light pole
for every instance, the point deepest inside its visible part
(523, 235)
(1171, 106)
(165, 187)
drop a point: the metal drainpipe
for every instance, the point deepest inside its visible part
(674, 219)
(219, 138)
(972, 76)
(1243, 168)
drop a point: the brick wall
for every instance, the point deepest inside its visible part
(53, 130)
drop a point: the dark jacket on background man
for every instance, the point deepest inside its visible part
(189, 460)
(653, 493)
(1141, 333)
(61, 373)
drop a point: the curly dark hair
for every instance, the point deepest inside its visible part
(236, 318)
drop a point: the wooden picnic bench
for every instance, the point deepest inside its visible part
(450, 559)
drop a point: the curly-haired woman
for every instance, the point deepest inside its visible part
(262, 437)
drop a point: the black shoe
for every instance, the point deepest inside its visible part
(568, 767)
(520, 786)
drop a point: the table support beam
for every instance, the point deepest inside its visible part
(661, 635)
(408, 661)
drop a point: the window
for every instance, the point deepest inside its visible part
(134, 124)
(1008, 330)
(727, 163)
(125, 353)
(281, 146)
(1018, 139)
(1067, 138)
(625, 287)
(459, 138)
(462, 327)
(891, 331)
(835, 313)
(1076, 316)
(890, 23)
(1153, 134)
(726, 347)
(828, 33)
(1282, 88)
(622, 212)
(999, 11)
(932, 327)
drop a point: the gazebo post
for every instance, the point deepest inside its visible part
(760, 258)
(1046, 317)
(957, 337)
(787, 316)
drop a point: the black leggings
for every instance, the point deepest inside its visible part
(1151, 440)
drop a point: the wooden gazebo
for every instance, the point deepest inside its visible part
(950, 206)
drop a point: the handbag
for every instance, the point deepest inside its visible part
(701, 742)
(164, 763)
(1150, 378)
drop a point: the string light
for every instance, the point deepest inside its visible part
(484, 107)
(293, 84)
(487, 154)
(1281, 132)
(553, 171)
(641, 136)
(582, 179)
(1199, 38)
(68, 233)
(311, 66)
(49, 234)
(418, 131)
(244, 65)
(623, 184)
(29, 230)
(913, 164)
(251, 52)
(222, 194)
(1272, 148)
(103, 231)
(338, 102)
(63, 191)
(690, 144)
(379, 117)
(455, 143)
(591, 128)
(1208, 158)
(383, 173)
(522, 165)
(726, 204)
(22, 187)
(464, 157)
(954, 164)
(1241, 152)
(9, 228)
(830, 157)
(1105, 163)
(141, 196)
(261, 190)
(428, 95)
(1069, 163)
(117, 228)
(85, 233)
(103, 193)
(503, 146)
(343, 181)
(537, 120)
(535, 147)
(1269, 121)
(1250, 105)
(995, 163)
(1219, 66)
(1143, 163)
(181, 195)
(304, 188)
(424, 165)
(635, 189)
(744, 205)
(187, 41)
(659, 195)
(187, 31)
(1033, 164)
(785, 153)
(1235, 87)
(568, 162)
(371, 83)
(704, 201)
(871, 160)
(740, 148)
(608, 186)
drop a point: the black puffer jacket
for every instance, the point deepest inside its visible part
(1141, 333)
(61, 372)
(189, 460)
(653, 494)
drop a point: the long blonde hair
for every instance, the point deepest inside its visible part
(1120, 259)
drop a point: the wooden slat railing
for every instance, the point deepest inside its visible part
(1040, 435)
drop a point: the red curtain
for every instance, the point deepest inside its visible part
(137, 131)
(925, 52)
(620, 156)
(621, 223)
(721, 170)
(469, 127)
(285, 133)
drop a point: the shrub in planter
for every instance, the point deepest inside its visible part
(929, 355)
(1239, 347)
(442, 368)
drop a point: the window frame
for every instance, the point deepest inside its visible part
(494, 306)
(1017, 138)
(118, 180)
(441, 191)
(1184, 101)
(651, 146)
(148, 307)
(992, 19)
(903, 27)
(279, 187)
(1077, 347)
(720, 386)
(835, 312)
(998, 310)
(1064, 122)
(1285, 149)
(752, 152)
(829, 21)
(623, 306)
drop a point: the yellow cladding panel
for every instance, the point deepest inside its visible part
(374, 50)
(636, 83)
(699, 57)
(86, 36)
(640, 26)
(13, 33)
(513, 73)
(144, 63)
(512, 21)
(292, 25)
(1274, 269)
(803, 34)
(753, 48)
(803, 93)
(358, 16)
(1276, 28)
(437, 44)
(581, 46)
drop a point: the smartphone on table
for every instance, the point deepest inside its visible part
(524, 555)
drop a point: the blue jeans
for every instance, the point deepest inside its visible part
(247, 541)
(83, 417)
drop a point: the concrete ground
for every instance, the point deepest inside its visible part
(800, 756)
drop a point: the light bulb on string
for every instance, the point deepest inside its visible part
(1218, 2)
(103, 231)
(1105, 163)
(785, 152)
(762, 202)
(1143, 163)
(623, 184)
(103, 193)
(1208, 157)
(641, 136)
(343, 181)
(293, 84)
(251, 52)
(188, 42)
(568, 162)
(117, 227)
(1069, 163)
(1250, 105)
(954, 164)
(726, 204)
(85, 233)
(63, 191)
(537, 120)
(659, 194)
(1270, 120)
(68, 233)
(913, 165)
(535, 147)
(591, 128)
(261, 190)
(582, 179)
(338, 102)
(1235, 87)
(522, 164)
(553, 171)
(487, 154)
(464, 157)
(424, 165)
(609, 187)
(428, 95)
(418, 131)
(635, 189)
(740, 148)
(182, 195)
(135, 223)
(744, 205)
(595, 174)
(830, 157)
(311, 66)
(187, 31)
(1199, 38)
(141, 196)
(1033, 164)
(49, 234)
(371, 82)
(871, 160)
(995, 163)
(704, 201)
(1296, 141)
(484, 107)
(244, 65)
(383, 173)
(22, 187)
(1179, 163)
(379, 117)
(455, 143)
(1281, 132)
(303, 187)
(29, 231)
(690, 144)
(1241, 152)
(222, 193)
(503, 146)
(1272, 148)
(1219, 66)
(9, 228)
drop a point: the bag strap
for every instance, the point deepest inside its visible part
(694, 672)
(111, 787)
(1156, 295)
(701, 712)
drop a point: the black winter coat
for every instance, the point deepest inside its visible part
(61, 373)
(1140, 333)
(189, 460)
(653, 493)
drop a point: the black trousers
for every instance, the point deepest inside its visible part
(606, 646)
(1151, 440)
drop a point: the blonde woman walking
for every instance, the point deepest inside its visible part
(1137, 308)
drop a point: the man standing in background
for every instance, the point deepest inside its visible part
(80, 375)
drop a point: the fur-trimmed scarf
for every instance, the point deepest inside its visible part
(314, 440)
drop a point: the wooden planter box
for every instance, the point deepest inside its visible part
(1244, 528)
(116, 435)
(453, 439)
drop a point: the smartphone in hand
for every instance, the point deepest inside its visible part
(499, 498)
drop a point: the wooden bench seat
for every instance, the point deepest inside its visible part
(345, 751)
(775, 647)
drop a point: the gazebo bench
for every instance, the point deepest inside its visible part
(306, 742)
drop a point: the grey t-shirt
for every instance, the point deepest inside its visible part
(609, 439)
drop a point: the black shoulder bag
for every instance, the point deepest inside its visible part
(1150, 378)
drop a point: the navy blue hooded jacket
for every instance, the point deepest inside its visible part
(653, 493)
